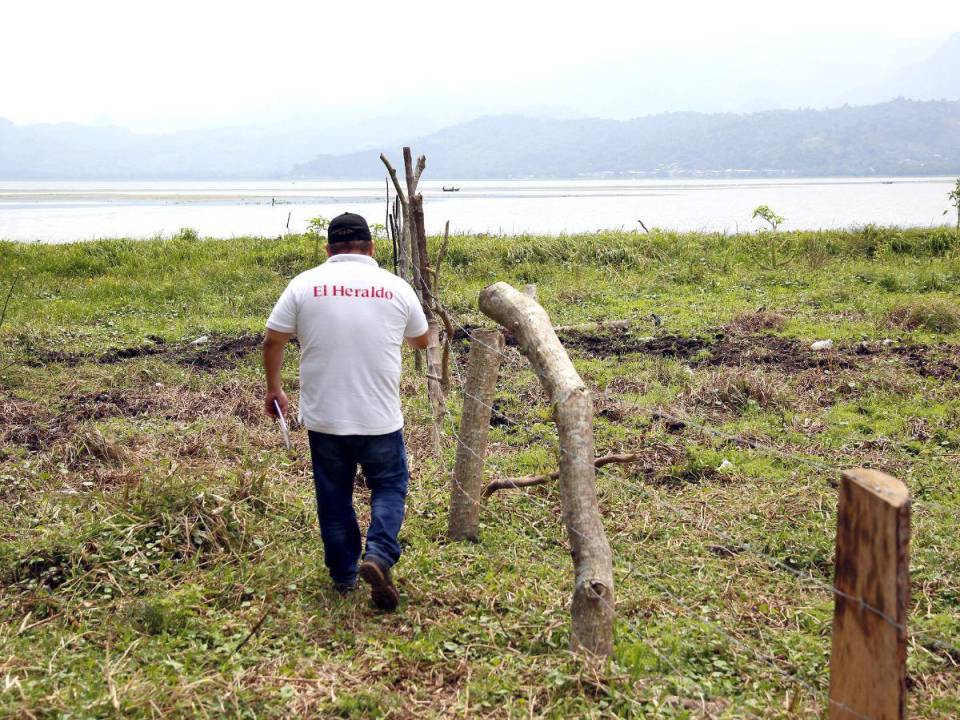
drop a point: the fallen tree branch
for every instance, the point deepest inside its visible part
(594, 326)
(531, 480)
(253, 631)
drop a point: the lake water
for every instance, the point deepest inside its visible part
(68, 211)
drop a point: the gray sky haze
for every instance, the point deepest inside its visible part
(177, 65)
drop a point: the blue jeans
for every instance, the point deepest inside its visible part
(384, 462)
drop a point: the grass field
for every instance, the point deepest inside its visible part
(150, 519)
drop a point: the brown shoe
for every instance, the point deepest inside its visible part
(377, 576)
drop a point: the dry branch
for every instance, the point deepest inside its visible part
(592, 609)
(401, 234)
(595, 326)
(3, 313)
(393, 177)
(6, 301)
(408, 172)
(421, 260)
(441, 254)
(421, 164)
(531, 480)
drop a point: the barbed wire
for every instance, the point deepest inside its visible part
(750, 443)
(544, 505)
(632, 571)
(658, 414)
(455, 481)
(776, 562)
(753, 444)
(739, 440)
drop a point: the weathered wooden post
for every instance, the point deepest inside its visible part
(869, 657)
(483, 366)
(435, 392)
(592, 610)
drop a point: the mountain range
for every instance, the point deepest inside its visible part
(873, 134)
(903, 137)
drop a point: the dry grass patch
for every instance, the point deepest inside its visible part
(931, 314)
(736, 389)
(755, 321)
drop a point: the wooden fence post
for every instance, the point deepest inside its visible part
(435, 382)
(872, 583)
(483, 367)
(592, 610)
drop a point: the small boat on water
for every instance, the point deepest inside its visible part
(450, 189)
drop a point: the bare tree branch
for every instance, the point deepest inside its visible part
(421, 164)
(396, 182)
(408, 172)
(531, 480)
(441, 253)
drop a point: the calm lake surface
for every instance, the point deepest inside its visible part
(69, 211)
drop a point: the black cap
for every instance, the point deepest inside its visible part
(347, 227)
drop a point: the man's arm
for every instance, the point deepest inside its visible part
(272, 362)
(421, 342)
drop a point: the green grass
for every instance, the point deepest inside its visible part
(149, 517)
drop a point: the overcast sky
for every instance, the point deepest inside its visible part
(175, 64)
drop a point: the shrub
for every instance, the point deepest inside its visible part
(890, 283)
(932, 314)
(932, 281)
(186, 234)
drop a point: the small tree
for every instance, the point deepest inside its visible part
(954, 197)
(772, 253)
(765, 213)
(317, 231)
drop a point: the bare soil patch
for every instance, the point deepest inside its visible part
(219, 352)
(733, 349)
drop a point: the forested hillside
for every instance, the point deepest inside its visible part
(901, 137)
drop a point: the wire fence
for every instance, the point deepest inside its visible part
(632, 570)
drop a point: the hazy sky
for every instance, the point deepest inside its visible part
(173, 64)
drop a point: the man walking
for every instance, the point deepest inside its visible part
(351, 318)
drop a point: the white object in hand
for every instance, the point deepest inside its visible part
(283, 425)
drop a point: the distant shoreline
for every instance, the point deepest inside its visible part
(54, 211)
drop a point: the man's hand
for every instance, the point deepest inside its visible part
(272, 361)
(280, 396)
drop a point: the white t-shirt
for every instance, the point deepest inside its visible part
(351, 318)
